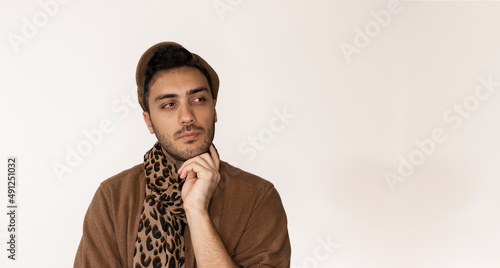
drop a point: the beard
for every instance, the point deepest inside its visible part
(170, 146)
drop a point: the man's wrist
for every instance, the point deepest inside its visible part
(194, 215)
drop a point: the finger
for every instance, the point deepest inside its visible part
(216, 151)
(189, 183)
(191, 175)
(208, 158)
(212, 157)
(197, 164)
(215, 156)
(187, 162)
(193, 169)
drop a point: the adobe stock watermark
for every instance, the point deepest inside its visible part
(223, 6)
(40, 19)
(255, 143)
(363, 37)
(322, 252)
(95, 136)
(428, 146)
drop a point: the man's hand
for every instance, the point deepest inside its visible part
(202, 176)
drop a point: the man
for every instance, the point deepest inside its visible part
(183, 207)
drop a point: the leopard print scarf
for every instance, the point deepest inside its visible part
(160, 238)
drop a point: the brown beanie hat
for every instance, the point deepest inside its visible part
(140, 74)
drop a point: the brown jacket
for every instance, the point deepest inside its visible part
(246, 210)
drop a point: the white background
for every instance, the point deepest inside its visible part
(355, 117)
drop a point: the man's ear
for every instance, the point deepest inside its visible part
(147, 119)
(215, 101)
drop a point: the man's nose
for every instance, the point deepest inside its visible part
(186, 116)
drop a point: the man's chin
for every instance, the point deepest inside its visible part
(182, 150)
(185, 152)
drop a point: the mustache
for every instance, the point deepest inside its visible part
(188, 128)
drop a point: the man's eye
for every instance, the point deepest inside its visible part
(200, 99)
(168, 105)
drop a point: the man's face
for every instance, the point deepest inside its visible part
(181, 112)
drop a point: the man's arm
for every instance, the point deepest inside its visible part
(202, 176)
(207, 245)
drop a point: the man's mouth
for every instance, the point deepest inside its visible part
(190, 135)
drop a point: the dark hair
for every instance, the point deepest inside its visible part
(169, 57)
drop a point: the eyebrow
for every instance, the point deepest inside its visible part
(190, 92)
